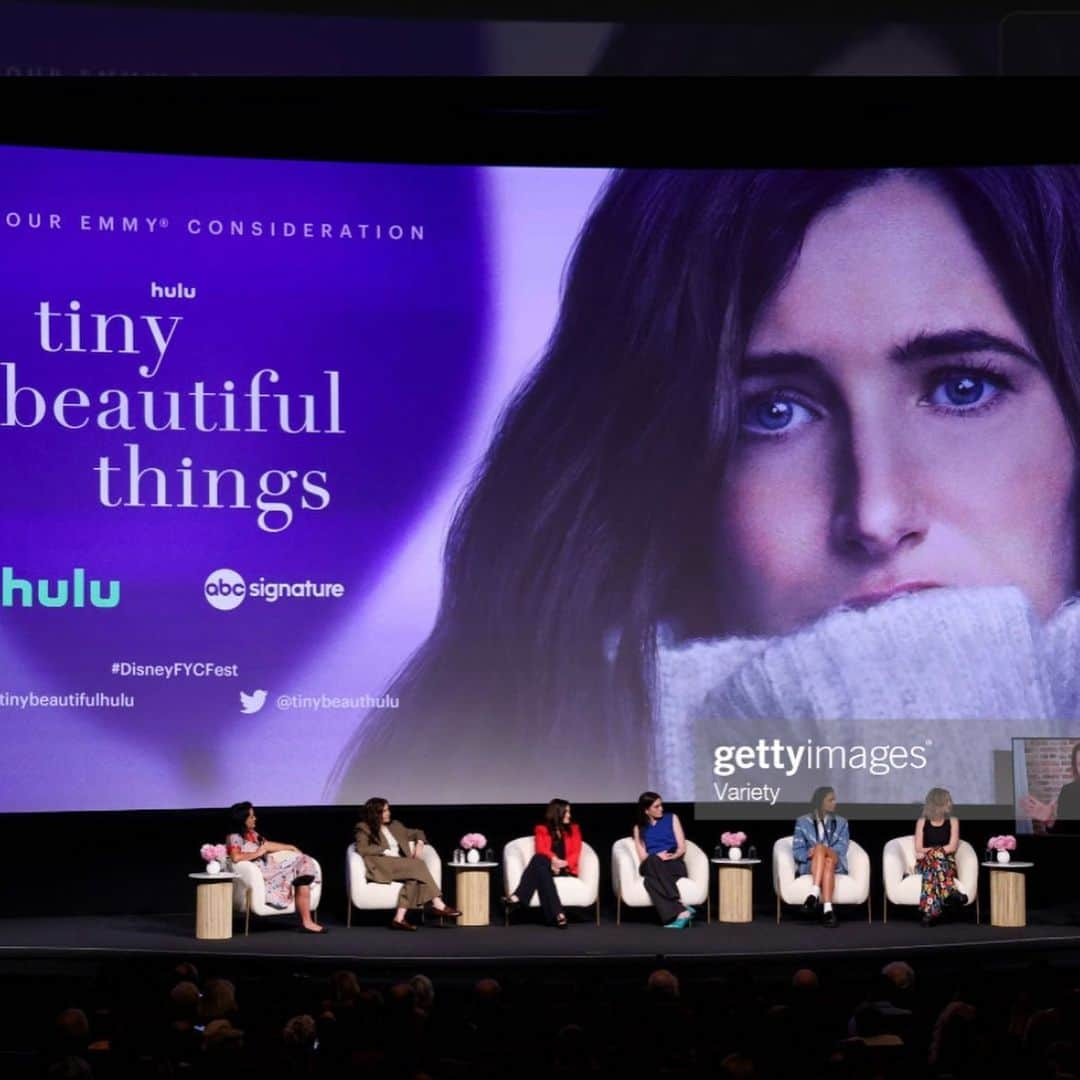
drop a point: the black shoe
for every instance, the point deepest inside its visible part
(562, 922)
(510, 905)
(829, 919)
(308, 930)
(957, 900)
(928, 920)
(810, 903)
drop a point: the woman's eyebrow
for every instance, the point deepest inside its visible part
(780, 362)
(923, 346)
(929, 346)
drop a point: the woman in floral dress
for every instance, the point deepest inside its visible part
(284, 878)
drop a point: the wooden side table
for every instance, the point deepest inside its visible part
(1008, 893)
(735, 889)
(472, 892)
(213, 906)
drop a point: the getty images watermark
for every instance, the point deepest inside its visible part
(764, 764)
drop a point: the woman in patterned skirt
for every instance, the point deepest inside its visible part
(937, 836)
(285, 878)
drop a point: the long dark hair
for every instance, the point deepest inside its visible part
(238, 815)
(1075, 755)
(553, 816)
(645, 800)
(372, 818)
(589, 521)
(819, 796)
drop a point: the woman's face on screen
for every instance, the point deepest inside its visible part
(249, 821)
(896, 429)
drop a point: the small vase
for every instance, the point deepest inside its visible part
(213, 867)
(1003, 856)
(734, 854)
(473, 855)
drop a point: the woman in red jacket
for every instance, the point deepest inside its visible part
(558, 850)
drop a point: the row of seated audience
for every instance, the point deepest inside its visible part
(392, 853)
(728, 1023)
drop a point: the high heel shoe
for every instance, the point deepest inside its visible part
(681, 923)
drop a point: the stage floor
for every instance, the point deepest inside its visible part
(90, 937)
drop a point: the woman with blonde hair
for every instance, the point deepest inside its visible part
(937, 836)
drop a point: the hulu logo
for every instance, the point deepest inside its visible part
(76, 592)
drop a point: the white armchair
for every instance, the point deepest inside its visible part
(373, 896)
(249, 890)
(903, 882)
(580, 891)
(630, 885)
(792, 888)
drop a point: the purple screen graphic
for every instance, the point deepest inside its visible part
(239, 401)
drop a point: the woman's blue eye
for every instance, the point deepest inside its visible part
(963, 390)
(772, 415)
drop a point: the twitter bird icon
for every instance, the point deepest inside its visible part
(253, 702)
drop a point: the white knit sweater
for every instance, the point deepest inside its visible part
(958, 672)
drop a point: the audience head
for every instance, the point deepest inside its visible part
(424, 989)
(184, 997)
(900, 973)
(487, 991)
(186, 971)
(218, 1000)
(221, 1037)
(737, 1067)
(344, 986)
(805, 979)
(299, 1032)
(72, 1024)
(663, 985)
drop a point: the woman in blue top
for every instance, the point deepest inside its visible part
(661, 845)
(820, 849)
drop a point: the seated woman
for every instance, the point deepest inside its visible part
(937, 836)
(661, 845)
(384, 844)
(558, 852)
(285, 879)
(820, 849)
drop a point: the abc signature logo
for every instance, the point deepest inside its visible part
(225, 590)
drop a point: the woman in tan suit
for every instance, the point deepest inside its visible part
(386, 845)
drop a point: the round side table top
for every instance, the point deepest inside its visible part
(1011, 865)
(223, 876)
(736, 862)
(473, 865)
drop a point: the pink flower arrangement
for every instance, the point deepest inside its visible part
(213, 852)
(473, 840)
(1001, 843)
(733, 839)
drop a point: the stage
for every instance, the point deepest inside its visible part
(272, 943)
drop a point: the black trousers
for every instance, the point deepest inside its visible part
(538, 878)
(662, 884)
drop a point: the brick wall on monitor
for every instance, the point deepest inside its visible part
(1049, 765)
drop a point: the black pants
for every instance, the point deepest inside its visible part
(538, 878)
(662, 884)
